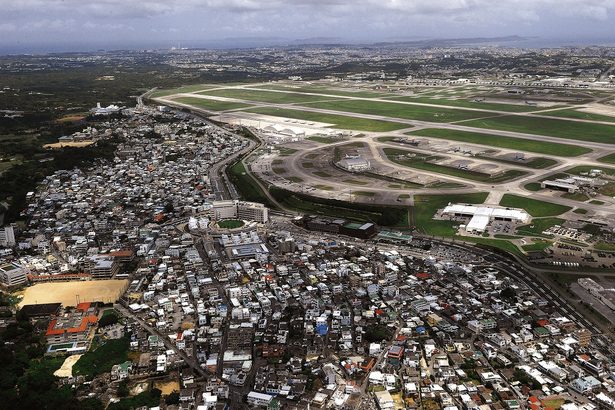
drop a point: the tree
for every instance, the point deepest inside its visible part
(172, 398)
(122, 389)
(108, 319)
(508, 293)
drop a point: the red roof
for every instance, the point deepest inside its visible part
(423, 275)
(543, 322)
(124, 253)
(85, 321)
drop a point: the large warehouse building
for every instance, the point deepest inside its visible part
(355, 164)
(481, 216)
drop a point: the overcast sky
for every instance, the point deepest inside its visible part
(66, 24)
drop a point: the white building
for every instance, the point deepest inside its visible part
(102, 266)
(7, 236)
(355, 164)
(11, 274)
(250, 211)
(481, 216)
(111, 109)
(259, 399)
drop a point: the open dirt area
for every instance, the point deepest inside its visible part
(71, 118)
(67, 367)
(71, 293)
(75, 144)
(601, 109)
(167, 387)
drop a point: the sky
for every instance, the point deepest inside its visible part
(75, 25)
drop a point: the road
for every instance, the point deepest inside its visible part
(191, 362)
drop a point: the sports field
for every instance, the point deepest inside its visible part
(71, 293)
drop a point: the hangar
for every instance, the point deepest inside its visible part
(481, 216)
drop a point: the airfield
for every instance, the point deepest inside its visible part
(425, 141)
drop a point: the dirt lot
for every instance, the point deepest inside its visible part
(71, 293)
(167, 387)
(75, 144)
(67, 367)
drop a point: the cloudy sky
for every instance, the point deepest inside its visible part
(86, 24)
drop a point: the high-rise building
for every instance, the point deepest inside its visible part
(7, 236)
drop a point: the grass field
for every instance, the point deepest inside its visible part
(396, 110)
(534, 163)
(70, 293)
(536, 246)
(364, 193)
(553, 127)
(539, 225)
(494, 243)
(339, 121)
(605, 246)
(230, 224)
(569, 113)
(608, 159)
(382, 215)
(102, 359)
(578, 170)
(246, 185)
(210, 105)
(324, 140)
(323, 90)
(498, 141)
(465, 103)
(577, 196)
(421, 161)
(534, 207)
(185, 89)
(264, 96)
(425, 207)
(533, 186)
